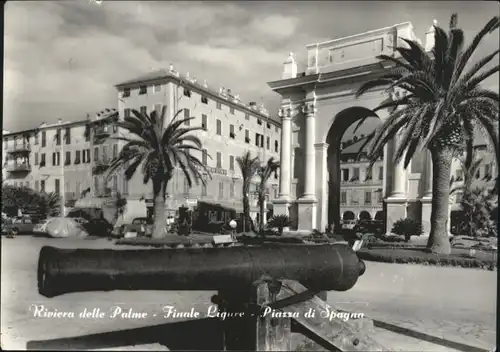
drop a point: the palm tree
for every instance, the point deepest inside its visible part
(50, 204)
(442, 107)
(158, 149)
(248, 166)
(264, 173)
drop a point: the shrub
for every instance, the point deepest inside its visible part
(407, 228)
(420, 256)
(280, 221)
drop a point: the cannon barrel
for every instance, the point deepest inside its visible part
(318, 267)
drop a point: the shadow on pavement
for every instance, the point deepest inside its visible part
(175, 336)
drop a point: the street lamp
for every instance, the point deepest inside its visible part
(233, 225)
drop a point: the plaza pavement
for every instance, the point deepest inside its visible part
(451, 303)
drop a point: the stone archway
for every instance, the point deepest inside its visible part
(317, 105)
(364, 215)
(341, 122)
(348, 215)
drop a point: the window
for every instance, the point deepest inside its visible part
(143, 90)
(96, 184)
(67, 136)
(381, 173)
(368, 197)
(186, 116)
(115, 183)
(203, 190)
(144, 110)
(204, 100)
(460, 175)
(247, 136)
(259, 121)
(478, 173)
(204, 122)
(276, 174)
(268, 143)
(67, 160)
(77, 157)
(126, 92)
(345, 175)
(257, 139)
(44, 138)
(221, 190)
(186, 186)
(231, 110)
(42, 159)
(343, 197)
(36, 139)
(380, 197)
(56, 159)
(57, 186)
(36, 158)
(42, 186)
(247, 116)
(268, 126)
(125, 186)
(104, 153)
(276, 147)
(218, 105)
(187, 92)
(231, 190)
(58, 136)
(219, 127)
(276, 129)
(157, 108)
(355, 176)
(219, 160)
(115, 150)
(204, 157)
(487, 170)
(96, 154)
(37, 186)
(126, 112)
(157, 88)
(231, 132)
(458, 198)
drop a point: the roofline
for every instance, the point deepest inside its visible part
(56, 126)
(199, 88)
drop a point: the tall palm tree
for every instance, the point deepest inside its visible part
(248, 166)
(442, 107)
(158, 150)
(265, 173)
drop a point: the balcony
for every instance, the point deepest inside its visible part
(19, 148)
(18, 167)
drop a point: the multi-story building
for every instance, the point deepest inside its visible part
(59, 158)
(229, 128)
(361, 195)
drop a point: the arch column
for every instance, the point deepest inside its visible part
(396, 203)
(282, 204)
(307, 203)
(322, 185)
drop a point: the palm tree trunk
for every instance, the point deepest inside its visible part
(160, 216)
(246, 213)
(441, 169)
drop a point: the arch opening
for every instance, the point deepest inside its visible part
(364, 215)
(348, 215)
(379, 215)
(343, 147)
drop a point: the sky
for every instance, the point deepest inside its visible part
(63, 58)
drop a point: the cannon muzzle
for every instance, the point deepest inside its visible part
(318, 267)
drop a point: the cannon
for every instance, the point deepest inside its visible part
(320, 268)
(248, 279)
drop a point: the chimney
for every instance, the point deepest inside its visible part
(205, 84)
(59, 121)
(429, 37)
(290, 67)
(171, 68)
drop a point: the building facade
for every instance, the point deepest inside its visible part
(60, 158)
(229, 128)
(361, 194)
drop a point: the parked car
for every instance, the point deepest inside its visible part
(19, 225)
(348, 224)
(141, 226)
(97, 227)
(370, 226)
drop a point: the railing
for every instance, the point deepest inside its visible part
(18, 167)
(17, 148)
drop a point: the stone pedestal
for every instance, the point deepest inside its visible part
(307, 214)
(426, 214)
(395, 209)
(280, 206)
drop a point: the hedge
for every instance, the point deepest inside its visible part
(416, 256)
